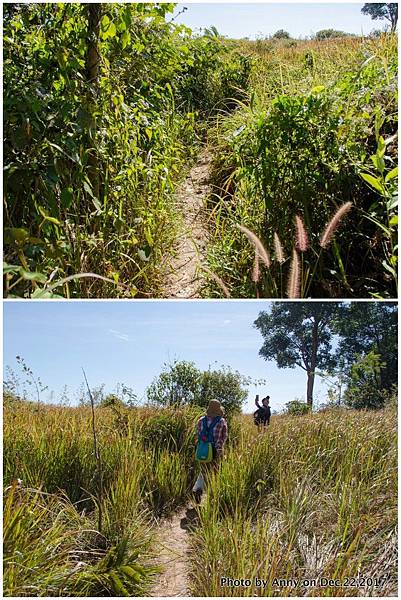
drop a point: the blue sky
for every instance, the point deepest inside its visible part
(130, 341)
(252, 20)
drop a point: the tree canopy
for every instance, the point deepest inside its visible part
(281, 34)
(364, 327)
(381, 10)
(325, 34)
(182, 383)
(302, 335)
(299, 334)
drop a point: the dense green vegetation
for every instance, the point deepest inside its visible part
(94, 149)
(313, 496)
(105, 106)
(316, 134)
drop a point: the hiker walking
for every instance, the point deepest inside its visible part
(212, 434)
(262, 415)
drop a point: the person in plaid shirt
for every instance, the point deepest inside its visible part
(220, 430)
(220, 433)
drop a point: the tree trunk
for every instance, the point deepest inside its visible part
(92, 55)
(311, 371)
(309, 388)
(92, 62)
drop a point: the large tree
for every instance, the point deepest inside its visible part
(366, 327)
(379, 10)
(299, 335)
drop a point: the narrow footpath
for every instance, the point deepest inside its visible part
(173, 554)
(184, 277)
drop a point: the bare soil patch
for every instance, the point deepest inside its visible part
(184, 277)
(173, 555)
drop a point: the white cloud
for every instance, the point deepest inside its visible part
(119, 335)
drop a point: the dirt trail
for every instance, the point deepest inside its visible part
(173, 554)
(183, 275)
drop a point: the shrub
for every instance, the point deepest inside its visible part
(326, 34)
(281, 35)
(297, 407)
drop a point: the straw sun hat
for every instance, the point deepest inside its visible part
(214, 409)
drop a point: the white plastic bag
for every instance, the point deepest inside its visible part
(199, 484)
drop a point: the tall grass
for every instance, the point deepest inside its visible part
(51, 480)
(51, 549)
(314, 496)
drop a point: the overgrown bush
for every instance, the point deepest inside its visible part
(91, 161)
(310, 141)
(297, 407)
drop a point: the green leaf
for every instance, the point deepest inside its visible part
(381, 147)
(393, 221)
(132, 573)
(88, 189)
(378, 162)
(53, 220)
(74, 158)
(149, 237)
(374, 182)
(95, 200)
(391, 174)
(318, 89)
(66, 197)
(389, 269)
(112, 31)
(97, 204)
(16, 235)
(33, 276)
(392, 203)
(41, 293)
(10, 268)
(46, 217)
(104, 23)
(125, 39)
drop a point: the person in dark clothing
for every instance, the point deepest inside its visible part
(262, 415)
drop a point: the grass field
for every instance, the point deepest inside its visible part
(313, 497)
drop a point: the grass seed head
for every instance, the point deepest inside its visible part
(278, 249)
(333, 224)
(259, 247)
(302, 240)
(256, 269)
(293, 288)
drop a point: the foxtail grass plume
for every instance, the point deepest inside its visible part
(256, 269)
(278, 249)
(333, 224)
(259, 247)
(302, 241)
(219, 281)
(293, 287)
